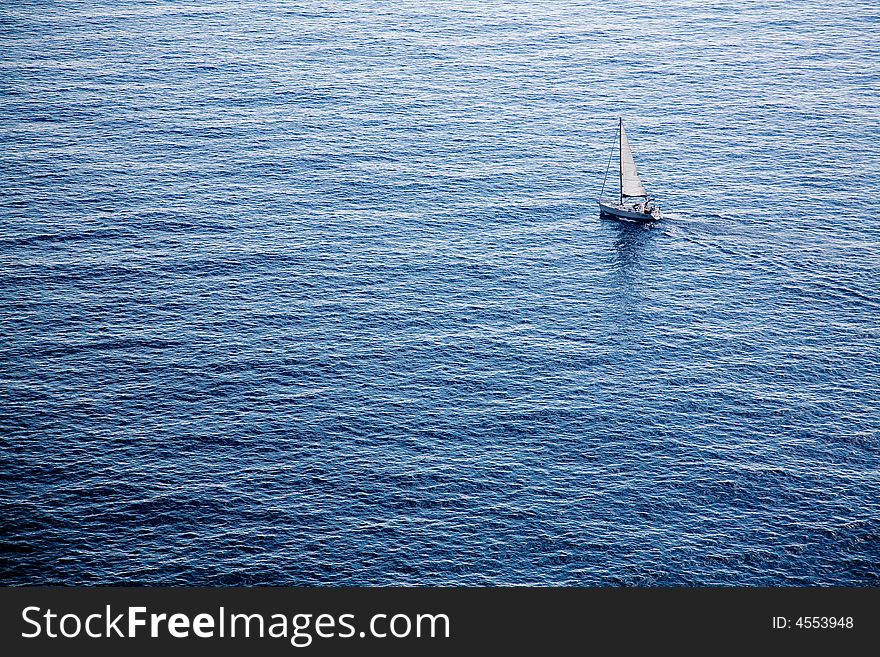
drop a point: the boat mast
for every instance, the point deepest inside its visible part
(620, 154)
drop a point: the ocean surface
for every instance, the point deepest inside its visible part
(316, 293)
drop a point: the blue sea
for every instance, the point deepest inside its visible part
(316, 293)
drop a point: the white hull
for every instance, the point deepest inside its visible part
(628, 212)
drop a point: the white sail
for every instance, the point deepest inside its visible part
(630, 184)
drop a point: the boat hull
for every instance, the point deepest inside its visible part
(629, 215)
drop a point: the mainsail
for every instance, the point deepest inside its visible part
(630, 184)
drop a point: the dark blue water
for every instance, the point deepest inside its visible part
(316, 293)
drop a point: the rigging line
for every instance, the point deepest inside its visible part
(610, 155)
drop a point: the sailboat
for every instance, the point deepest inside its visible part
(634, 203)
